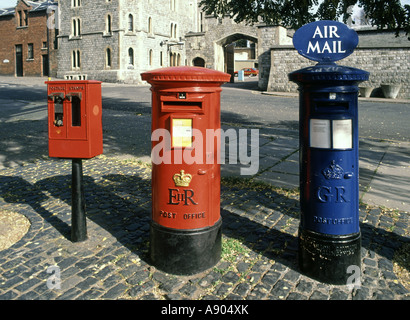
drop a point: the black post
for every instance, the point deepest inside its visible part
(78, 222)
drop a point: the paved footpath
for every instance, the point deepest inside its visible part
(260, 222)
(259, 232)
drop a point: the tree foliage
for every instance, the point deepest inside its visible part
(388, 14)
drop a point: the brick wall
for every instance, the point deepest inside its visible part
(35, 33)
(7, 51)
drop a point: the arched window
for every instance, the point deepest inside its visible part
(108, 25)
(108, 57)
(150, 57)
(75, 3)
(76, 27)
(130, 23)
(76, 59)
(149, 25)
(173, 60)
(131, 56)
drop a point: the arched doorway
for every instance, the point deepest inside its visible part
(225, 51)
(198, 62)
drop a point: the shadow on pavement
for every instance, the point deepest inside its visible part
(265, 221)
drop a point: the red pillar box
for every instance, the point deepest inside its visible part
(74, 119)
(185, 234)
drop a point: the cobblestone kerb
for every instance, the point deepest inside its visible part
(259, 260)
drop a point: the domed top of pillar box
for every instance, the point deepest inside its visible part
(185, 76)
(328, 72)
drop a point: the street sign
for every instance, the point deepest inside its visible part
(325, 41)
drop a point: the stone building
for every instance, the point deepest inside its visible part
(211, 46)
(116, 40)
(28, 39)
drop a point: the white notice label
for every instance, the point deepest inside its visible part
(319, 133)
(342, 134)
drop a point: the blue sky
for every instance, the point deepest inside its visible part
(7, 3)
(11, 3)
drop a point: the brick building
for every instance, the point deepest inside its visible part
(116, 40)
(28, 47)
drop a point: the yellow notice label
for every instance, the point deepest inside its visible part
(182, 132)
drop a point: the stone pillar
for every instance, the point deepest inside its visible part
(266, 39)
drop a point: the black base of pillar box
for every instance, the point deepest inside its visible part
(326, 258)
(185, 252)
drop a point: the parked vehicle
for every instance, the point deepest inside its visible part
(252, 72)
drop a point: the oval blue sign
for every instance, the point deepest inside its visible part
(325, 40)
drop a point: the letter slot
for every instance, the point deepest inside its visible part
(58, 98)
(75, 99)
